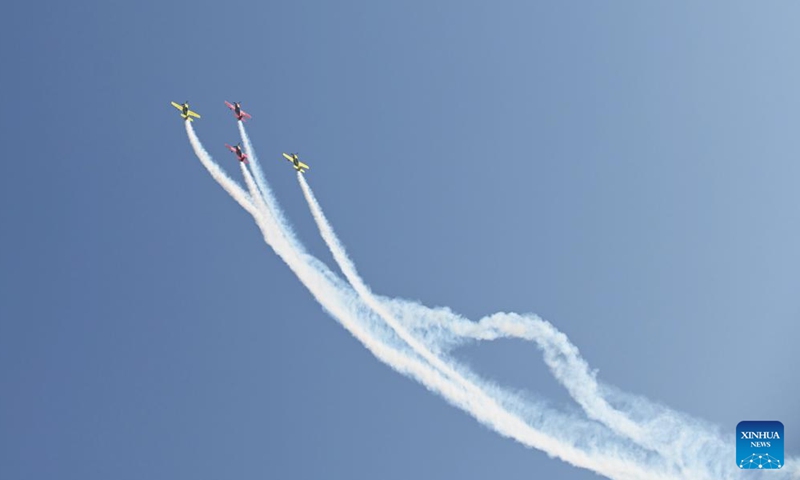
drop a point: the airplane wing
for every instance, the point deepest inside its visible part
(303, 165)
(179, 107)
(193, 114)
(229, 105)
(245, 114)
(230, 148)
(288, 157)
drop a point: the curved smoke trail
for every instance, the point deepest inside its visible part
(561, 356)
(464, 393)
(217, 173)
(694, 447)
(625, 451)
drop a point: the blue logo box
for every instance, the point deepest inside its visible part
(759, 445)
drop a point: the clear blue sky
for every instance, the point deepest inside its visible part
(627, 171)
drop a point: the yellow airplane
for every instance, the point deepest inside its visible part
(298, 165)
(185, 112)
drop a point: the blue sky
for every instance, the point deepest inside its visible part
(626, 171)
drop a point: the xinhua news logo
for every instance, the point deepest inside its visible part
(759, 445)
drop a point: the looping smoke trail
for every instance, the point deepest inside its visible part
(576, 441)
(561, 356)
(553, 433)
(686, 442)
(468, 396)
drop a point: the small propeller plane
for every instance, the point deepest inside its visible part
(185, 112)
(298, 165)
(238, 151)
(238, 112)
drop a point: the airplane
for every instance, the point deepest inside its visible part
(238, 151)
(185, 112)
(298, 165)
(237, 111)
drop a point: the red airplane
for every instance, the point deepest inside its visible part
(238, 151)
(237, 111)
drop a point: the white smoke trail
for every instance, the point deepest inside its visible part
(574, 365)
(254, 165)
(339, 301)
(456, 389)
(217, 174)
(350, 273)
(697, 448)
(687, 443)
(552, 436)
(574, 440)
(264, 188)
(561, 356)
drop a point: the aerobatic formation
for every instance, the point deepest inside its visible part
(241, 116)
(618, 435)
